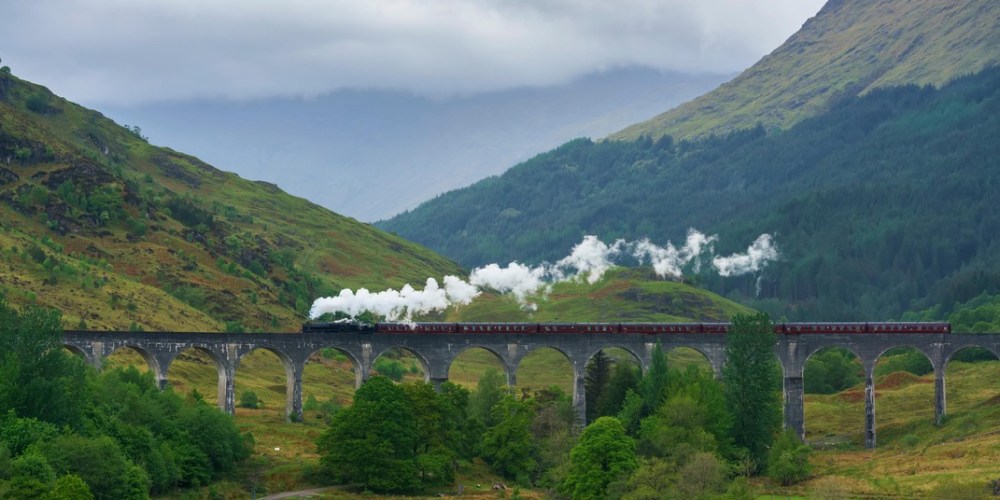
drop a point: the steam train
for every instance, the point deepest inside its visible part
(616, 328)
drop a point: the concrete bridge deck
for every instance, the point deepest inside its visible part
(436, 352)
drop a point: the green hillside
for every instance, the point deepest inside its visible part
(881, 205)
(117, 233)
(849, 48)
(626, 295)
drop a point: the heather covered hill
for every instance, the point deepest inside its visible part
(849, 48)
(118, 234)
(881, 205)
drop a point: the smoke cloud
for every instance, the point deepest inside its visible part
(761, 252)
(588, 260)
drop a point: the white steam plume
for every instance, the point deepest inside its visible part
(761, 251)
(669, 260)
(517, 279)
(589, 260)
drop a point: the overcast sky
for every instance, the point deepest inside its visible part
(122, 52)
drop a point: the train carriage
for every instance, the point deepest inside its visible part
(909, 327)
(498, 328)
(418, 328)
(654, 328)
(559, 328)
(599, 327)
(714, 327)
(800, 328)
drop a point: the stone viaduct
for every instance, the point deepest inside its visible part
(436, 352)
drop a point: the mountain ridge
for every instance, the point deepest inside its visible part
(849, 48)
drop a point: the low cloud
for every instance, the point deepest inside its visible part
(126, 52)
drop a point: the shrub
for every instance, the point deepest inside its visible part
(249, 400)
(788, 461)
(391, 368)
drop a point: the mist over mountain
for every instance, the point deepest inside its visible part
(370, 154)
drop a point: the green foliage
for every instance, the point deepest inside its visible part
(624, 378)
(249, 400)
(189, 213)
(788, 461)
(35, 466)
(69, 487)
(751, 387)
(38, 102)
(653, 384)
(508, 446)
(390, 368)
(373, 442)
(116, 431)
(596, 379)
(676, 431)
(35, 372)
(903, 359)
(630, 414)
(489, 391)
(603, 454)
(17, 434)
(101, 463)
(810, 185)
(832, 370)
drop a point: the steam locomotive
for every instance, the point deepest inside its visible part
(617, 328)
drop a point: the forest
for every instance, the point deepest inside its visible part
(663, 433)
(881, 205)
(69, 432)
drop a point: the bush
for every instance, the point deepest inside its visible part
(390, 368)
(788, 461)
(910, 440)
(909, 360)
(249, 400)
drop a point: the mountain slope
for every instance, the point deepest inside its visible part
(849, 48)
(881, 205)
(117, 233)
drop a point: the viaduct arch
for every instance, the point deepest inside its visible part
(438, 351)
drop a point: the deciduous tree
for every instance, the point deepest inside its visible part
(603, 454)
(751, 383)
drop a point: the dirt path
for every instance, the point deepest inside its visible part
(300, 494)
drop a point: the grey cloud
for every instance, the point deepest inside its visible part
(123, 51)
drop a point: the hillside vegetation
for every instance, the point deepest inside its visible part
(849, 48)
(117, 233)
(881, 205)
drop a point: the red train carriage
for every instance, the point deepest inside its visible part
(498, 327)
(714, 327)
(559, 327)
(651, 328)
(417, 328)
(909, 327)
(599, 327)
(798, 328)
